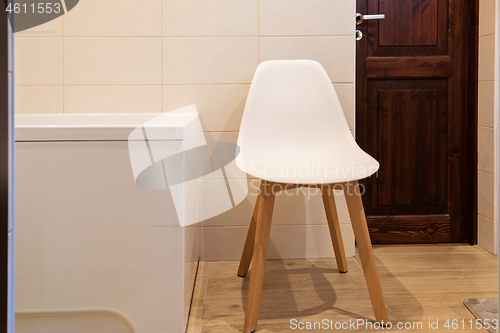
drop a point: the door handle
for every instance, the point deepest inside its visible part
(360, 18)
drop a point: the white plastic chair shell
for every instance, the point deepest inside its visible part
(294, 130)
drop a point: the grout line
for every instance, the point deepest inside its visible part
(148, 84)
(273, 226)
(204, 297)
(258, 32)
(214, 36)
(358, 293)
(455, 270)
(440, 292)
(428, 253)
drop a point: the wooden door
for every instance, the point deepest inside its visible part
(416, 86)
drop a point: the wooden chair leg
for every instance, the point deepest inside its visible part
(246, 256)
(360, 227)
(334, 225)
(262, 233)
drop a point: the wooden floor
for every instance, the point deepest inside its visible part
(419, 283)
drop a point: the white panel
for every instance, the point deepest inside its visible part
(89, 238)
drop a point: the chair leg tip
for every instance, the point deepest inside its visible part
(343, 272)
(241, 275)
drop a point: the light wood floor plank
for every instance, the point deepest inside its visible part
(419, 283)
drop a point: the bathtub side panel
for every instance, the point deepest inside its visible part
(89, 239)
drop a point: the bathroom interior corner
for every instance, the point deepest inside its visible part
(109, 97)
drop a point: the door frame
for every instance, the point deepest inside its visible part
(471, 122)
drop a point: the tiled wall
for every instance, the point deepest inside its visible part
(488, 125)
(158, 55)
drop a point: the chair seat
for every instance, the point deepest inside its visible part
(325, 168)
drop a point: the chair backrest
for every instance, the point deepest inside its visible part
(292, 109)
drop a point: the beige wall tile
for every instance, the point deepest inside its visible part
(486, 58)
(39, 99)
(118, 60)
(114, 18)
(486, 17)
(486, 234)
(345, 92)
(336, 54)
(486, 149)
(38, 61)
(108, 99)
(287, 242)
(291, 208)
(210, 18)
(221, 137)
(485, 103)
(220, 106)
(205, 60)
(50, 29)
(485, 194)
(307, 17)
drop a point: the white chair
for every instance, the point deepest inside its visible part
(294, 133)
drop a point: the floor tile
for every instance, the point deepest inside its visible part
(439, 305)
(434, 261)
(421, 284)
(402, 249)
(282, 309)
(296, 277)
(277, 328)
(195, 316)
(439, 281)
(229, 268)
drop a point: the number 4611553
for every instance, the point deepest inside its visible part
(40, 8)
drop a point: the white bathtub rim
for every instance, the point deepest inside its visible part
(96, 127)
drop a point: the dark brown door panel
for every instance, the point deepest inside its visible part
(415, 116)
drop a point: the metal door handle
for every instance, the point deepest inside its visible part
(360, 18)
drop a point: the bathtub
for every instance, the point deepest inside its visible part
(94, 252)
